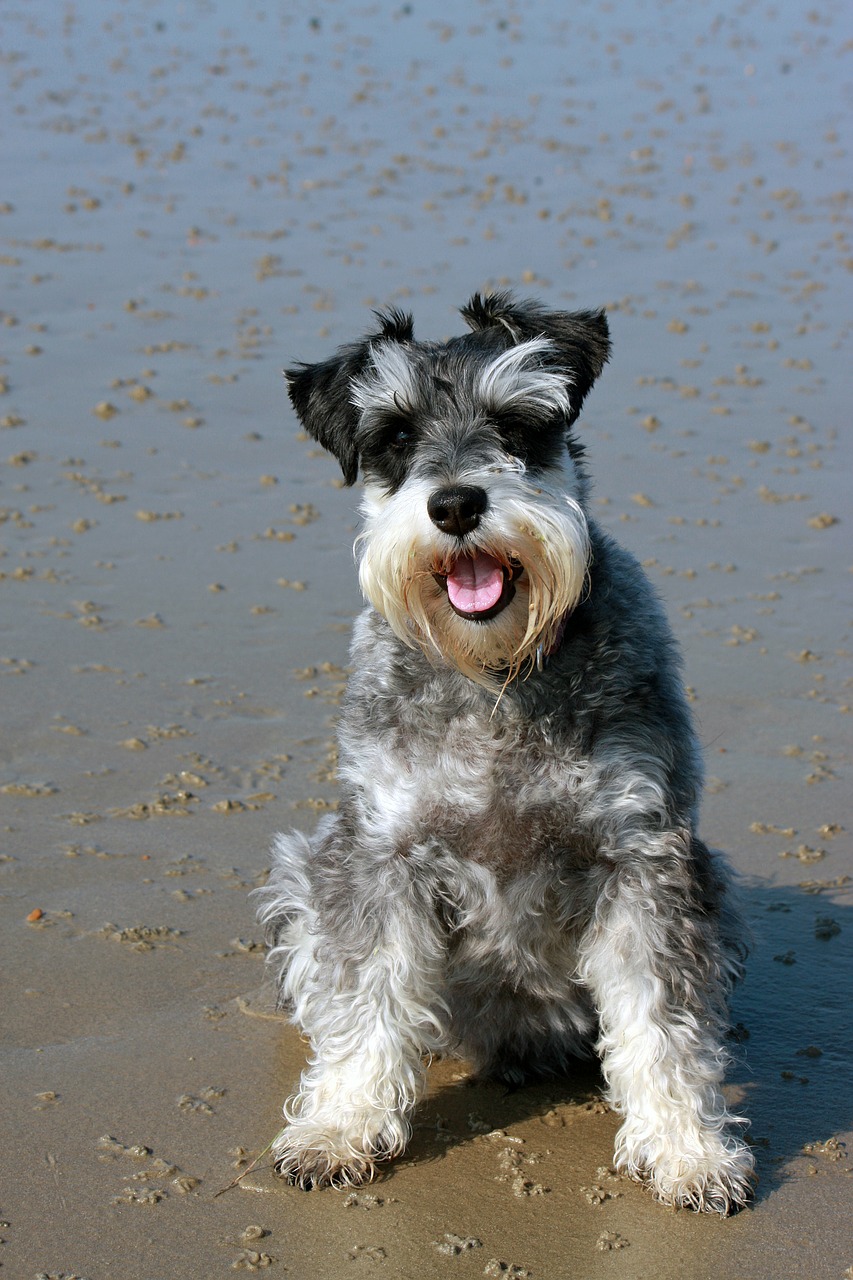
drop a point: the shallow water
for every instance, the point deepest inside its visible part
(195, 195)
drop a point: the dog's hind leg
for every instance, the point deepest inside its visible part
(653, 962)
(358, 972)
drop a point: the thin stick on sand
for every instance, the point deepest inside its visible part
(240, 1176)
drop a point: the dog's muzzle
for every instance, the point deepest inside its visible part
(479, 585)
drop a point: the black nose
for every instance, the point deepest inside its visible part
(457, 509)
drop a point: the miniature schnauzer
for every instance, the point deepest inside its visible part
(513, 873)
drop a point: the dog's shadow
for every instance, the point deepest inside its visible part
(795, 1015)
(791, 1071)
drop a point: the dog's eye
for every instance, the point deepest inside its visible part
(536, 441)
(514, 432)
(398, 434)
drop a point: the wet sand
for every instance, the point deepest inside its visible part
(194, 195)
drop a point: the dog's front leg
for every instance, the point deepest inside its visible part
(654, 964)
(362, 977)
(364, 1077)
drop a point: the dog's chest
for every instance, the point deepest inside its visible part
(499, 795)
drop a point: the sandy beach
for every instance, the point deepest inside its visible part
(194, 195)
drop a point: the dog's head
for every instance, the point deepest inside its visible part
(475, 542)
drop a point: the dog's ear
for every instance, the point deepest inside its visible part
(581, 339)
(321, 393)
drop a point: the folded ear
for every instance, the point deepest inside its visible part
(580, 339)
(321, 393)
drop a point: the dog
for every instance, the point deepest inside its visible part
(513, 872)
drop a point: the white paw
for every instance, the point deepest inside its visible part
(713, 1176)
(312, 1154)
(320, 1161)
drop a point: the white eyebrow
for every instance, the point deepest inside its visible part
(517, 374)
(389, 383)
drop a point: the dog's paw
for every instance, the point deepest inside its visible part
(312, 1157)
(707, 1170)
(717, 1182)
(317, 1168)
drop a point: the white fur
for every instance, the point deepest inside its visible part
(516, 375)
(390, 382)
(663, 1069)
(367, 1069)
(533, 521)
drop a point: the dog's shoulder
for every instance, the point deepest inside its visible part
(619, 636)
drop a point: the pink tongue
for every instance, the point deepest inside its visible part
(475, 583)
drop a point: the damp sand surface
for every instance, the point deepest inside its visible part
(194, 196)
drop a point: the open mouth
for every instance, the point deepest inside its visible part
(479, 586)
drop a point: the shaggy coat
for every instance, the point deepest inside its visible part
(513, 873)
